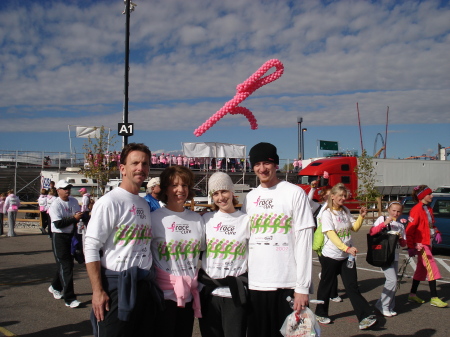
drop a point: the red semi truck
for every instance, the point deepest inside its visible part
(394, 178)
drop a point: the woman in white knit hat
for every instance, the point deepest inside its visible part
(224, 263)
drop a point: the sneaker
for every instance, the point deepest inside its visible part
(385, 313)
(436, 302)
(73, 304)
(56, 294)
(393, 313)
(323, 320)
(336, 299)
(367, 322)
(415, 299)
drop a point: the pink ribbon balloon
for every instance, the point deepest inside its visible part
(244, 90)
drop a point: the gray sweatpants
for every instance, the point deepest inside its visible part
(11, 223)
(387, 299)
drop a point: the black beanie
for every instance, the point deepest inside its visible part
(263, 152)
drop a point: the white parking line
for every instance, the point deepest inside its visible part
(443, 264)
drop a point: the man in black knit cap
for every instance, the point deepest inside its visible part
(280, 254)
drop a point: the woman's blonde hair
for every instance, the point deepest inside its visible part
(336, 189)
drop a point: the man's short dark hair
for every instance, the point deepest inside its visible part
(133, 147)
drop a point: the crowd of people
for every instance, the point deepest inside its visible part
(163, 160)
(154, 265)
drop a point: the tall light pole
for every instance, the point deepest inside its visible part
(299, 124)
(129, 7)
(303, 141)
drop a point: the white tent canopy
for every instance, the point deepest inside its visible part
(214, 150)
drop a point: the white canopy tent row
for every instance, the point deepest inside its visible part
(216, 150)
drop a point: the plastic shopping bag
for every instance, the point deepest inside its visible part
(303, 324)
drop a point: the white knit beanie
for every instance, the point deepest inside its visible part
(220, 181)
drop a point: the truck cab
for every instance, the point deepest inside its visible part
(328, 172)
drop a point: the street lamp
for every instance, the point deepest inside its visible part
(303, 141)
(299, 124)
(129, 7)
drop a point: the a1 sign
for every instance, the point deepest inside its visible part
(125, 129)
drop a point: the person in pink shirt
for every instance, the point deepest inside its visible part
(12, 204)
(179, 160)
(154, 161)
(162, 160)
(2, 202)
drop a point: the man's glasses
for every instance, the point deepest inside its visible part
(66, 188)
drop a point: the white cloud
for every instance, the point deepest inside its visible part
(188, 56)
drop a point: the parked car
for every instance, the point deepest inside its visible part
(441, 212)
(200, 198)
(442, 189)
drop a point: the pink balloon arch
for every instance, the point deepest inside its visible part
(243, 90)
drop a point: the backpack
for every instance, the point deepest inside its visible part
(318, 240)
(319, 237)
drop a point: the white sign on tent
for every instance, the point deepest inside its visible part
(214, 150)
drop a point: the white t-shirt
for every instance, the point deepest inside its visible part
(341, 222)
(50, 199)
(226, 254)
(280, 246)
(397, 227)
(178, 239)
(85, 202)
(62, 209)
(120, 225)
(12, 203)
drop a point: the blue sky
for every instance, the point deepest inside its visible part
(62, 63)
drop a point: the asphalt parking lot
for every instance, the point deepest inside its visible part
(28, 309)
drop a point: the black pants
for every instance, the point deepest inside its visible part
(268, 312)
(330, 269)
(44, 219)
(49, 227)
(1, 223)
(142, 318)
(221, 318)
(63, 280)
(174, 321)
(334, 286)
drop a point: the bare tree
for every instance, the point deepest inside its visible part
(99, 162)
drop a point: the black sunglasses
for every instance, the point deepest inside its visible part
(66, 188)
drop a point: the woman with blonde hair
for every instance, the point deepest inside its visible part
(386, 304)
(339, 257)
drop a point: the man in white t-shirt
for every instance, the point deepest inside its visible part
(117, 252)
(64, 214)
(280, 254)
